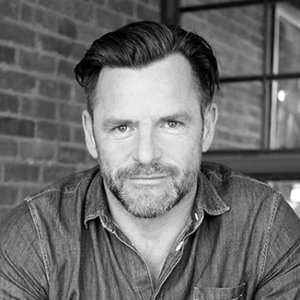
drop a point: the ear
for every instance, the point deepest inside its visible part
(87, 124)
(210, 120)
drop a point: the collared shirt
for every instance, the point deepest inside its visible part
(241, 242)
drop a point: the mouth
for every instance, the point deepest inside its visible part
(148, 179)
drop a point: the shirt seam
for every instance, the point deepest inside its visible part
(37, 224)
(240, 176)
(267, 237)
(31, 198)
(250, 179)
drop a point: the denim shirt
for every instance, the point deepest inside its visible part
(242, 242)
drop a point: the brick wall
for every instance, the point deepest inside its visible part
(40, 104)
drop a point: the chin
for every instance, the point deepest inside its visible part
(149, 203)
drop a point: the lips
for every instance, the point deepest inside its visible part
(148, 177)
(153, 179)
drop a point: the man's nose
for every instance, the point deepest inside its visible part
(147, 149)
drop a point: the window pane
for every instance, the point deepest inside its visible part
(236, 34)
(291, 192)
(286, 122)
(287, 38)
(240, 116)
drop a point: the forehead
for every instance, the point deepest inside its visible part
(168, 81)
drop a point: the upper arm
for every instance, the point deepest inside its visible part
(281, 277)
(22, 270)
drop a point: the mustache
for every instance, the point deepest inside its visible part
(152, 169)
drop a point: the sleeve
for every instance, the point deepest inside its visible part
(22, 271)
(281, 276)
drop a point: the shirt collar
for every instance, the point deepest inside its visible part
(207, 199)
(95, 204)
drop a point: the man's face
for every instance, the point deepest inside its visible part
(147, 132)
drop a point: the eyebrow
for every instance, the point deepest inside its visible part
(184, 116)
(112, 122)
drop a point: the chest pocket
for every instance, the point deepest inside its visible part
(235, 293)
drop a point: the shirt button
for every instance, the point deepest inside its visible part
(179, 246)
(196, 217)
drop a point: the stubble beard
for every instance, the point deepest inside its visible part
(147, 200)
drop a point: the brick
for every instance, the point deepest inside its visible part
(37, 150)
(65, 6)
(53, 173)
(27, 13)
(79, 94)
(4, 210)
(9, 103)
(123, 6)
(70, 112)
(99, 2)
(34, 61)
(66, 68)
(7, 54)
(108, 19)
(87, 33)
(146, 13)
(78, 51)
(29, 190)
(16, 81)
(55, 89)
(38, 108)
(77, 135)
(16, 127)
(8, 147)
(83, 11)
(67, 27)
(52, 131)
(10, 8)
(9, 195)
(16, 172)
(46, 19)
(71, 155)
(17, 33)
(56, 45)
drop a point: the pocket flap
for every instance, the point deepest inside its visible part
(234, 293)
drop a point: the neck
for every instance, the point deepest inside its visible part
(153, 238)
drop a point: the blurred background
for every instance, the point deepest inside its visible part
(258, 46)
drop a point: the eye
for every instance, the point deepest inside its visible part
(172, 124)
(122, 131)
(122, 128)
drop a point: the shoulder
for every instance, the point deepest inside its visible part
(63, 200)
(31, 230)
(68, 185)
(48, 201)
(62, 196)
(236, 188)
(20, 253)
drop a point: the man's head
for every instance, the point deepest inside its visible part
(149, 123)
(140, 44)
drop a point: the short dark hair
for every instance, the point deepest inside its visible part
(139, 44)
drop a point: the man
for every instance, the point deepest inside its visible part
(149, 222)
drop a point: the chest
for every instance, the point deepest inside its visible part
(108, 268)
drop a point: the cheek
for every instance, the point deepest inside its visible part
(183, 151)
(114, 154)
